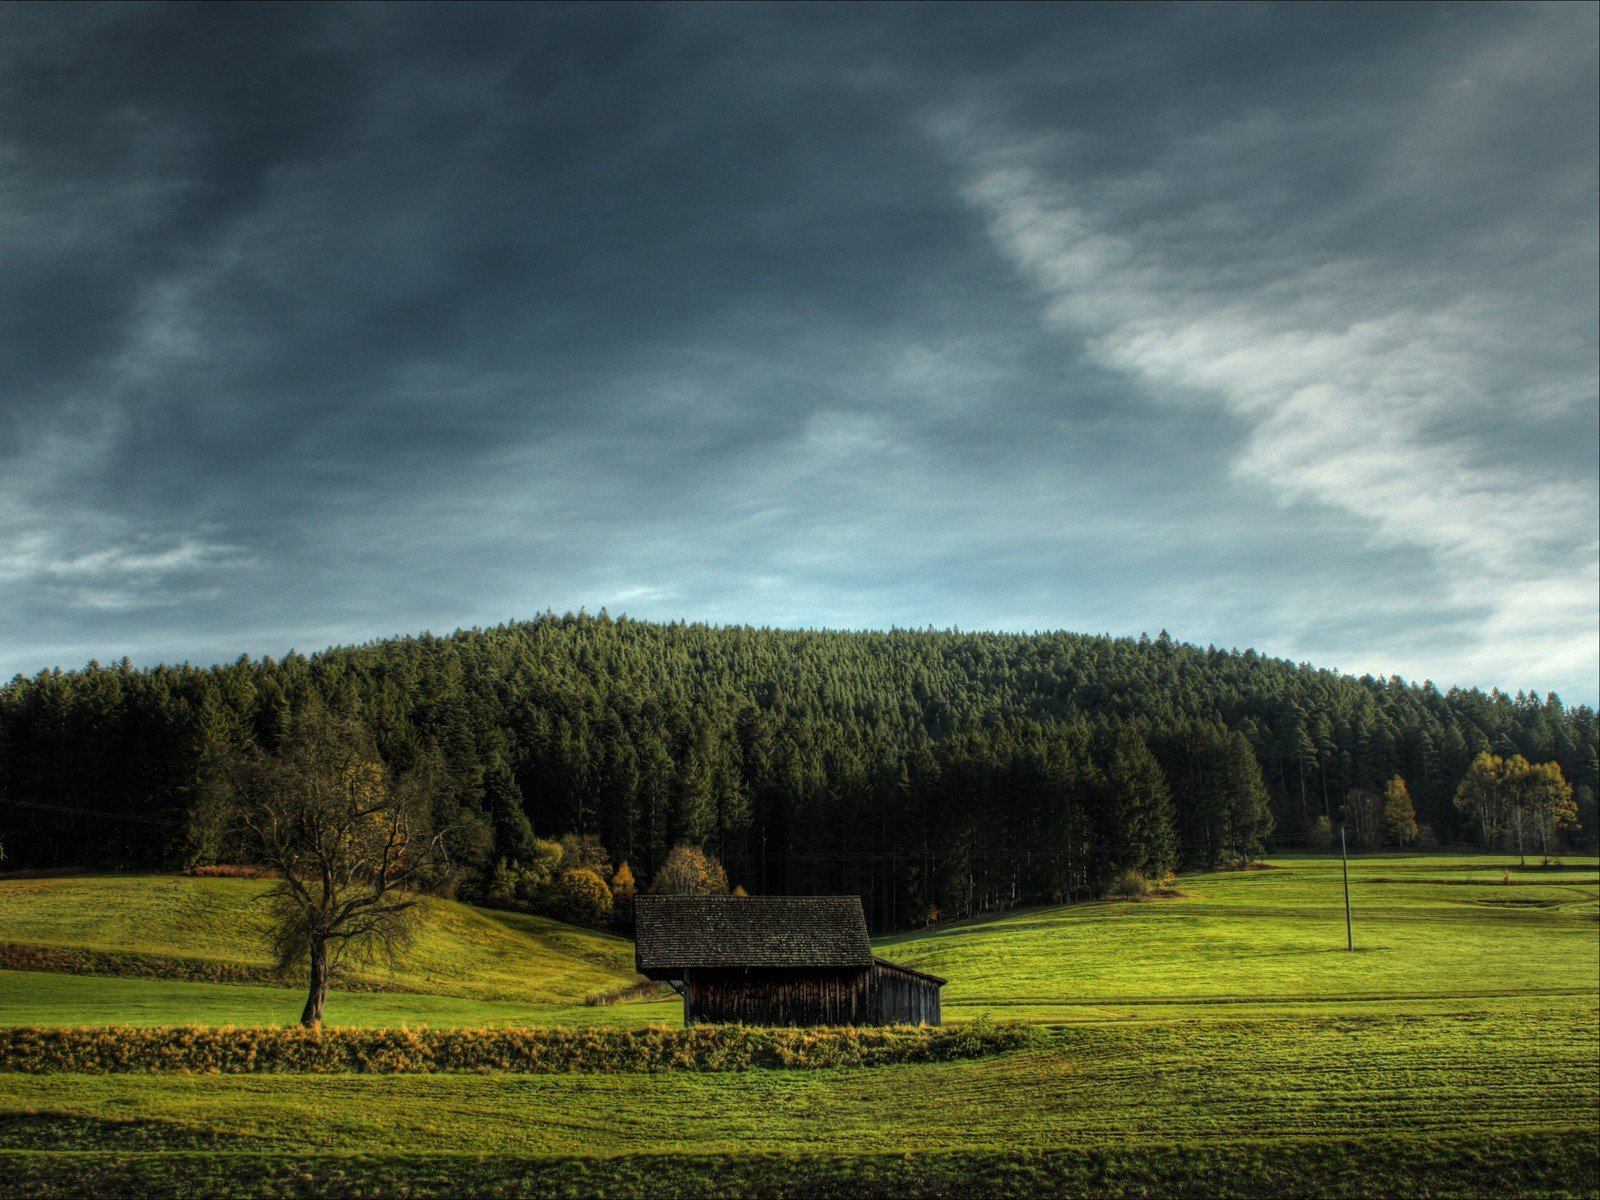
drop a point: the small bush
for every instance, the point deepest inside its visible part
(1129, 885)
(582, 897)
(524, 886)
(1320, 836)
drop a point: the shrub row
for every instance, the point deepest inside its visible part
(227, 1050)
(71, 960)
(233, 871)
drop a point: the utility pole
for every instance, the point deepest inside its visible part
(1344, 861)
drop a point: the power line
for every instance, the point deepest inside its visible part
(81, 812)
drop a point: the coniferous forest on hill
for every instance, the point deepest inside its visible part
(936, 774)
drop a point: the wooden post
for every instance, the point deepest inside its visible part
(1344, 861)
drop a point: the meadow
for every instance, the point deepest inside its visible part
(1223, 1041)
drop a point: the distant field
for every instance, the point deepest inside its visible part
(1222, 1042)
(1425, 926)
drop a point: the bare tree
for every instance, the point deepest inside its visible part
(1363, 811)
(350, 843)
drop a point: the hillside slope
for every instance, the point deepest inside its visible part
(460, 951)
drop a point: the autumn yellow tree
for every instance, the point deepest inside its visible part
(1481, 795)
(582, 897)
(1542, 801)
(1512, 797)
(689, 871)
(623, 890)
(1399, 814)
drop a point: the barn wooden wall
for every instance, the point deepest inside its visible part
(777, 996)
(901, 998)
(815, 996)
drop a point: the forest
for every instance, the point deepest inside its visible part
(934, 773)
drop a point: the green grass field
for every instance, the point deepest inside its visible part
(1436, 927)
(1220, 1042)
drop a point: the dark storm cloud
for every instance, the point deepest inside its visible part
(328, 322)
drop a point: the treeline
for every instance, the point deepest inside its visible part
(927, 771)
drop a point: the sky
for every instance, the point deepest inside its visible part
(1271, 326)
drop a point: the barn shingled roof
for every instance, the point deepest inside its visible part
(673, 932)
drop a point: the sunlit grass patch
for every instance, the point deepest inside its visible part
(1424, 926)
(459, 950)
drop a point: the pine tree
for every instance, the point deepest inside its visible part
(502, 799)
(1142, 835)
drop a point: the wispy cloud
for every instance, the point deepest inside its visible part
(1347, 390)
(127, 570)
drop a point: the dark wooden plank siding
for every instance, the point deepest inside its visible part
(777, 996)
(819, 996)
(901, 998)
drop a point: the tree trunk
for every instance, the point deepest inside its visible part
(311, 1018)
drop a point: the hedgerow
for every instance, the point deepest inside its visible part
(229, 1050)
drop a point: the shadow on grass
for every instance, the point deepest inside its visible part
(65, 1131)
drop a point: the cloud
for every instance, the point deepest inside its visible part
(1347, 391)
(125, 570)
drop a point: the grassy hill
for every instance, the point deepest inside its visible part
(467, 965)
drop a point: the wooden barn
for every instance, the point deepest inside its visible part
(777, 960)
